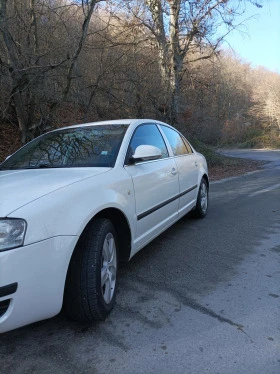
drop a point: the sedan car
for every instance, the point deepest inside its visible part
(76, 201)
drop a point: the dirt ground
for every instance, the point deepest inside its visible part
(241, 167)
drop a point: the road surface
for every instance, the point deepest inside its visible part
(271, 156)
(204, 297)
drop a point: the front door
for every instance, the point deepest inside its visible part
(156, 186)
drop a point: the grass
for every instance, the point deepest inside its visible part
(264, 141)
(212, 156)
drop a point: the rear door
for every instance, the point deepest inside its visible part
(156, 186)
(187, 166)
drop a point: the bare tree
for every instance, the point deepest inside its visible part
(267, 99)
(119, 76)
(39, 41)
(181, 29)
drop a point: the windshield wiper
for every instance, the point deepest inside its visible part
(40, 166)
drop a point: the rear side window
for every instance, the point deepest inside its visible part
(147, 134)
(178, 145)
(189, 148)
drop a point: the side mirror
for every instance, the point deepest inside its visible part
(146, 153)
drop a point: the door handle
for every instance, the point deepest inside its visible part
(173, 171)
(196, 163)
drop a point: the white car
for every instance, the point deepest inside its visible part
(76, 201)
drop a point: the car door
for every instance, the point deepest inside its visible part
(187, 165)
(156, 186)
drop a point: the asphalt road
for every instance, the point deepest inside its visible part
(271, 156)
(204, 297)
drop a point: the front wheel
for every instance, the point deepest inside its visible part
(201, 207)
(90, 291)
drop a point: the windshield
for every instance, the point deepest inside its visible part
(96, 146)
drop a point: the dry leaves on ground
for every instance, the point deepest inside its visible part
(240, 167)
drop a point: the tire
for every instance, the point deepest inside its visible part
(91, 283)
(202, 202)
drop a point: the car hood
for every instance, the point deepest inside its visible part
(20, 187)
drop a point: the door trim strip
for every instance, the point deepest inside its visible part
(166, 202)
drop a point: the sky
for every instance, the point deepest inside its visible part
(259, 41)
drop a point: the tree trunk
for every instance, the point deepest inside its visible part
(170, 54)
(155, 7)
(176, 57)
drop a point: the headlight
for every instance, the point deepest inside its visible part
(12, 231)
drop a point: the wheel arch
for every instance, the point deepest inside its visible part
(205, 177)
(122, 228)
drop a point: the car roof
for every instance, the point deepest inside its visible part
(128, 122)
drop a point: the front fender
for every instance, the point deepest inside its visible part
(68, 210)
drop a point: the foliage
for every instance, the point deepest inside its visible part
(65, 62)
(212, 156)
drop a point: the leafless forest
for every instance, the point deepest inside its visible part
(64, 62)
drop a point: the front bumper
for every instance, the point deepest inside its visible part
(32, 280)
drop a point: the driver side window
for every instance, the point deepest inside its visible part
(147, 134)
